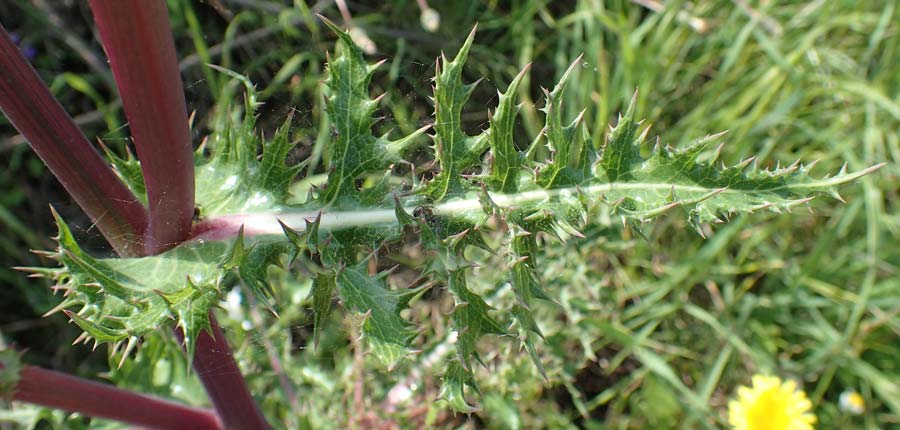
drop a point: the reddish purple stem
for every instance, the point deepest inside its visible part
(33, 110)
(226, 387)
(138, 41)
(61, 391)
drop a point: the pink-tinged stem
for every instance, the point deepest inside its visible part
(216, 368)
(28, 104)
(61, 391)
(138, 41)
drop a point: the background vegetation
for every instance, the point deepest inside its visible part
(652, 327)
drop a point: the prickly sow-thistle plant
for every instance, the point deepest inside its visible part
(485, 191)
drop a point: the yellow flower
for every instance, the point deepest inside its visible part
(770, 404)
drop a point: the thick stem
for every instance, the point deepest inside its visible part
(61, 391)
(33, 110)
(216, 368)
(138, 41)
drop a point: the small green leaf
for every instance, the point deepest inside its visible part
(470, 318)
(622, 151)
(387, 334)
(454, 150)
(502, 410)
(658, 403)
(193, 316)
(129, 170)
(354, 151)
(322, 293)
(254, 267)
(100, 334)
(506, 161)
(236, 252)
(454, 381)
(275, 175)
(567, 167)
(122, 298)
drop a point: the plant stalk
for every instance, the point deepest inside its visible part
(61, 391)
(138, 40)
(33, 110)
(226, 387)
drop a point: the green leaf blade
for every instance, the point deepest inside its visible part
(506, 160)
(387, 334)
(353, 151)
(455, 151)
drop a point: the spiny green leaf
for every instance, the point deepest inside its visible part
(470, 318)
(307, 240)
(641, 188)
(237, 251)
(505, 160)
(455, 151)
(64, 236)
(354, 151)
(100, 333)
(254, 266)
(275, 175)
(129, 170)
(524, 280)
(528, 332)
(232, 179)
(454, 381)
(386, 333)
(322, 293)
(193, 316)
(120, 298)
(101, 275)
(622, 151)
(470, 315)
(527, 288)
(236, 143)
(568, 166)
(252, 262)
